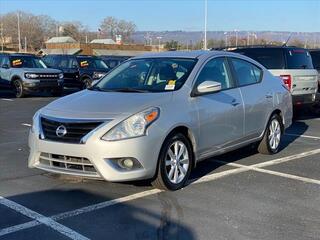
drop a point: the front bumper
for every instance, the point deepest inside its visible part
(38, 85)
(99, 154)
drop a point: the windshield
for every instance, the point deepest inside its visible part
(299, 59)
(26, 62)
(148, 75)
(91, 63)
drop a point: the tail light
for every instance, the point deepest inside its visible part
(286, 80)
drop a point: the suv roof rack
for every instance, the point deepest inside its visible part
(251, 46)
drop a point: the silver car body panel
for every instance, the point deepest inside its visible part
(215, 125)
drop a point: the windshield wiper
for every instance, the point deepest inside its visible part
(129, 90)
(96, 88)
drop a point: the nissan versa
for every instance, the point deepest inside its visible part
(156, 116)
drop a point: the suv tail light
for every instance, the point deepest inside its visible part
(286, 80)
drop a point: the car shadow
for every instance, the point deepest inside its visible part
(7, 93)
(159, 218)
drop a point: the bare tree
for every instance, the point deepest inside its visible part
(112, 26)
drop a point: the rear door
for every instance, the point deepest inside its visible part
(221, 114)
(256, 93)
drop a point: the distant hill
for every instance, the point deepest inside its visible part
(187, 37)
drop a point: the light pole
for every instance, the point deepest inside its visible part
(226, 35)
(205, 24)
(19, 38)
(159, 38)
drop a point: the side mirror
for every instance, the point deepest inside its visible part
(208, 87)
(6, 66)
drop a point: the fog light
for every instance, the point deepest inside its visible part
(127, 163)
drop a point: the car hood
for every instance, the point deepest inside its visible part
(41, 70)
(89, 104)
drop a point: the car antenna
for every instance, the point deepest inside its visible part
(285, 44)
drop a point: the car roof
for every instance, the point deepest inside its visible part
(184, 54)
(262, 47)
(18, 54)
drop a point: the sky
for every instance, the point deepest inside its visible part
(186, 15)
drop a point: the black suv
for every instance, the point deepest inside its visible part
(79, 70)
(292, 64)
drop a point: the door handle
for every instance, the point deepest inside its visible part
(269, 96)
(234, 102)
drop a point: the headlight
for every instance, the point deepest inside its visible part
(60, 75)
(98, 75)
(31, 75)
(134, 126)
(36, 122)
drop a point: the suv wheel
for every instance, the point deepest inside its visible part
(18, 88)
(58, 92)
(174, 164)
(272, 137)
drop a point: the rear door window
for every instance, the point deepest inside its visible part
(246, 73)
(270, 58)
(298, 59)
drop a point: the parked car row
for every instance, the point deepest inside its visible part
(27, 73)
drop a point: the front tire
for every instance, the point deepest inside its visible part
(86, 83)
(18, 88)
(271, 140)
(174, 163)
(58, 92)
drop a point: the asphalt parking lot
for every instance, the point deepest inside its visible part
(239, 195)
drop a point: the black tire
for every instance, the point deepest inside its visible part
(57, 92)
(18, 89)
(86, 83)
(161, 179)
(265, 145)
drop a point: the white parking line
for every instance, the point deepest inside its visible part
(240, 168)
(42, 219)
(304, 136)
(26, 124)
(7, 99)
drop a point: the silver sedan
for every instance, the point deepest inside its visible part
(156, 116)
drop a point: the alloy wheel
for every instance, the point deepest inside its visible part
(177, 162)
(274, 134)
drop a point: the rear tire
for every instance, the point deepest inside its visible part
(18, 88)
(271, 140)
(174, 163)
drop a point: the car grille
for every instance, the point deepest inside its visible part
(75, 131)
(47, 76)
(67, 164)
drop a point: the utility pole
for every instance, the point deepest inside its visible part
(25, 45)
(2, 40)
(205, 24)
(19, 38)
